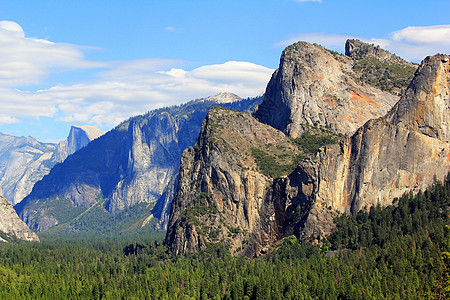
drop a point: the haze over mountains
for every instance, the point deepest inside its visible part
(24, 161)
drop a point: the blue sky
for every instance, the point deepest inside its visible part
(100, 62)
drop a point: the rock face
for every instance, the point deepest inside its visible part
(11, 226)
(358, 50)
(134, 164)
(316, 87)
(25, 161)
(404, 151)
(79, 137)
(223, 194)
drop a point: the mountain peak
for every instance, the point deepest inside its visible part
(79, 137)
(425, 106)
(356, 50)
(223, 97)
(315, 87)
(90, 131)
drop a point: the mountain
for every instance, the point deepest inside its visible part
(405, 151)
(11, 226)
(124, 180)
(315, 87)
(24, 161)
(224, 192)
(79, 137)
(249, 190)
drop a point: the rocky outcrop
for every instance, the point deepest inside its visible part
(79, 137)
(225, 193)
(358, 50)
(135, 163)
(11, 226)
(316, 87)
(25, 161)
(378, 67)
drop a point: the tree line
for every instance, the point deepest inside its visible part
(397, 252)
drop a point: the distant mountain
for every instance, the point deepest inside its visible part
(124, 180)
(24, 161)
(79, 137)
(11, 226)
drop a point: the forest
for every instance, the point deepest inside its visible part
(397, 252)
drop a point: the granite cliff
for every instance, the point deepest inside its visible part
(226, 193)
(125, 179)
(79, 137)
(317, 87)
(404, 151)
(11, 226)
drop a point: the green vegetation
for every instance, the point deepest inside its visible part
(61, 208)
(388, 76)
(97, 221)
(311, 142)
(274, 163)
(426, 213)
(398, 252)
(277, 161)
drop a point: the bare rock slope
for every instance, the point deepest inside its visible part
(317, 87)
(11, 226)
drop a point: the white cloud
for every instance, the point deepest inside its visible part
(423, 35)
(411, 43)
(26, 61)
(8, 120)
(121, 88)
(131, 88)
